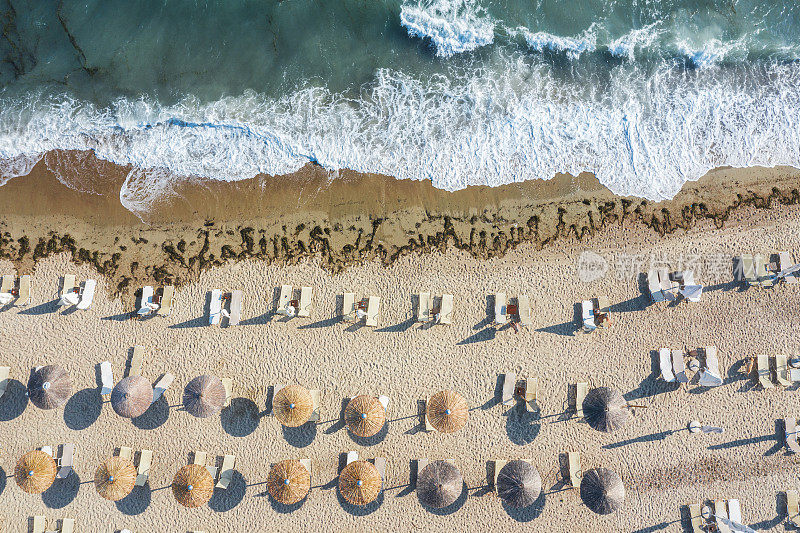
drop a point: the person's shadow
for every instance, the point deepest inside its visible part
(83, 409)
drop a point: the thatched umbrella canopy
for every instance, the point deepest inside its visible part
(447, 411)
(114, 478)
(49, 387)
(132, 396)
(602, 490)
(35, 472)
(439, 484)
(293, 405)
(288, 481)
(193, 486)
(360, 483)
(519, 483)
(204, 396)
(605, 409)
(365, 416)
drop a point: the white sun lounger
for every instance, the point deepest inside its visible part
(428, 425)
(665, 362)
(679, 366)
(305, 302)
(384, 401)
(524, 310)
(721, 511)
(380, 466)
(446, 310)
(748, 269)
(67, 287)
(226, 471)
(509, 383)
(316, 405)
(763, 371)
(793, 506)
(66, 461)
(67, 525)
(782, 370)
(135, 368)
(146, 301)
(284, 298)
(39, 524)
(307, 464)
(143, 470)
(425, 305)
(761, 270)
(373, 308)
(498, 465)
(531, 394)
(24, 297)
(790, 432)
(710, 376)
(215, 307)
(696, 518)
(235, 308)
(581, 389)
(785, 260)
(668, 287)
(87, 295)
(349, 307)
(167, 296)
(574, 469)
(500, 310)
(654, 286)
(126, 453)
(587, 315)
(199, 458)
(106, 378)
(228, 384)
(350, 457)
(162, 385)
(4, 372)
(6, 286)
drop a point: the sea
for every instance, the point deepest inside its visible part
(645, 94)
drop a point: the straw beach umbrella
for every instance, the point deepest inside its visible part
(605, 409)
(360, 483)
(519, 483)
(293, 405)
(447, 411)
(35, 472)
(288, 481)
(114, 478)
(602, 490)
(49, 387)
(204, 396)
(365, 416)
(132, 396)
(193, 486)
(439, 484)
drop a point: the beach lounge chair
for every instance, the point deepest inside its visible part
(793, 507)
(524, 309)
(710, 376)
(67, 525)
(87, 294)
(235, 308)
(24, 294)
(384, 401)
(721, 511)
(790, 432)
(735, 511)
(498, 466)
(763, 371)
(6, 286)
(446, 310)
(748, 269)
(67, 288)
(349, 307)
(784, 262)
(350, 457)
(200, 458)
(39, 524)
(421, 464)
(654, 286)
(574, 469)
(165, 303)
(500, 312)
(428, 426)
(316, 400)
(782, 370)
(668, 287)
(4, 372)
(226, 471)
(761, 271)
(373, 307)
(143, 470)
(665, 362)
(679, 366)
(689, 288)
(66, 461)
(284, 298)
(380, 466)
(228, 384)
(106, 378)
(48, 450)
(135, 368)
(509, 384)
(696, 518)
(215, 307)
(146, 301)
(587, 315)
(425, 306)
(126, 453)
(530, 393)
(306, 463)
(581, 389)
(305, 302)
(162, 385)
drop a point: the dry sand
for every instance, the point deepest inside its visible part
(661, 470)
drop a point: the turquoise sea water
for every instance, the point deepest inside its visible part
(646, 94)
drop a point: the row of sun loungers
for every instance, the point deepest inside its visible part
(224, 474)
(757, 270)
(64, 456)
(39, 525)
(19, 293)
(429, 312)
(784, 374)
(217, 310)
(73, 294)
(291, 307)
(725, 514)
(666, 286)
(672, 364)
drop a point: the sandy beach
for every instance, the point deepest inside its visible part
(662, 465)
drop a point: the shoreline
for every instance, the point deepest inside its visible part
(344, 221)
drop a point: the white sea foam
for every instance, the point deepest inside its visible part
(643, 134)
(453, 26)
(573, 47)
(712, 51)
(638, 39)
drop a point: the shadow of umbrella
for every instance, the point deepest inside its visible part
(136, 502)
(240, 418)
(225, 500)
(83, 409)
(62, 492)
(14, 401)
(526, 514)
(302, 436)
(155, 416)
